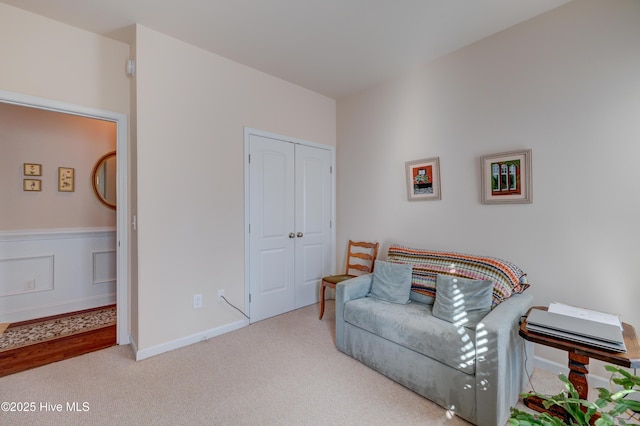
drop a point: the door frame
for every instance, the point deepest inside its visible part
(122, 161)
(248, 132)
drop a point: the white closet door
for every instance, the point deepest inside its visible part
(313, 222)
(272, 227)
(290, 208)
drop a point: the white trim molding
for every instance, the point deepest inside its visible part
(54, 234)
(188, 340)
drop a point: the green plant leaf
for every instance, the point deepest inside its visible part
(603, 422)
(601, 402)
(633, 405)
(618, 409)
(613, 408)
(604, 393)
(627, 380)
(622, 394)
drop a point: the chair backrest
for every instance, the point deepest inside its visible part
(361, 257)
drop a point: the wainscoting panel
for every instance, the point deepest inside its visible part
(49, 272)
(26, 275)
(104, 267)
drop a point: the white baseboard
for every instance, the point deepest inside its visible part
(133, 345)
(555, 368)
(186, 341)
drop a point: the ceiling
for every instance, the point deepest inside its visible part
(332, 47)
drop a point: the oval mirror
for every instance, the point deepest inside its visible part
(104, 180)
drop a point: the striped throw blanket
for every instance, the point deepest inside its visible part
(427, 264)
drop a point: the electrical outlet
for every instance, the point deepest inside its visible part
(220, 295)
(197, 301)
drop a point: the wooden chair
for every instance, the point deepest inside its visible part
(361, 257)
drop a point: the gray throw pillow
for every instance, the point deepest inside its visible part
(391, 282)
(462, 301)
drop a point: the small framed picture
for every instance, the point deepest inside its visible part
(32, 169)
(66, 179)
(506, 178)
(423, 179)
(32, 185)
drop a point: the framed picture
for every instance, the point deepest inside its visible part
(32, 169)
(66, 179)
(423, 179)
(506, 178)
(32, 185)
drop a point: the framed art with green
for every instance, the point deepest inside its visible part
(506, 178)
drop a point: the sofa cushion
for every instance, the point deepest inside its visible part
(462, 301)
(414, 327)
(420, 296)
(507, 278)
(391, 282)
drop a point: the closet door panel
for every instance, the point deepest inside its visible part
(313, 221)
(272, 221)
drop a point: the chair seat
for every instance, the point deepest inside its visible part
(335, 279)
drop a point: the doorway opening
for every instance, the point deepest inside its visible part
(122, 232)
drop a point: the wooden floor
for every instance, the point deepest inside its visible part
(36, 355)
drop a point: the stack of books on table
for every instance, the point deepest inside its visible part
(584, 326)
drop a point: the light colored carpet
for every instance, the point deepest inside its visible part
(281, 371)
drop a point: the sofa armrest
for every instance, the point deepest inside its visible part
(501, 355)
(352, 289)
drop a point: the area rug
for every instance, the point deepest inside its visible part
(32, 332)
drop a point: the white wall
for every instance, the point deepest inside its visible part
(45, 58)
(53, 140)
(565, 84)
(192, 107)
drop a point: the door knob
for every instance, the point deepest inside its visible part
(291, 235)
(300, 234)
